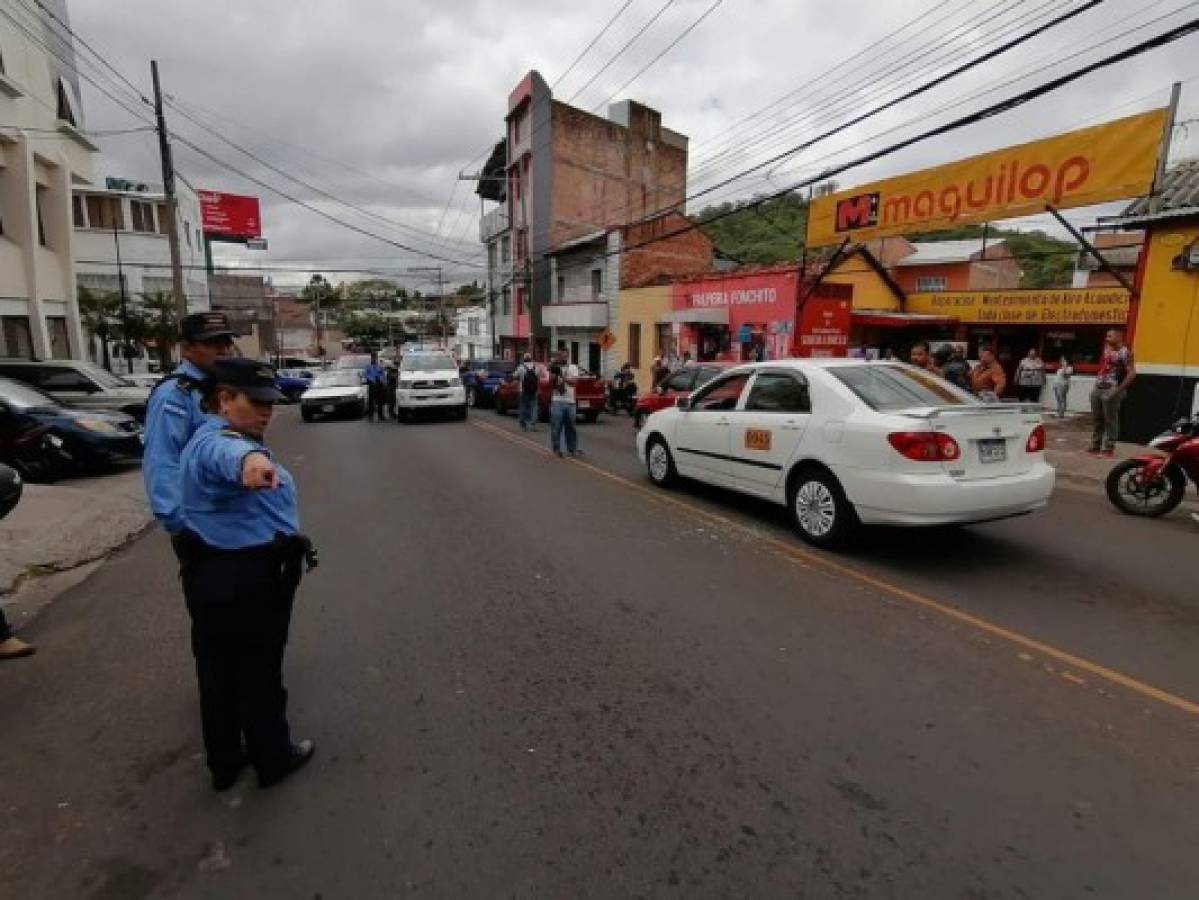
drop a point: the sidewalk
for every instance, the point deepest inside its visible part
(1068, 440)
(63, 527)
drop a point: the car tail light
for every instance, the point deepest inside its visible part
(1036, 440)
(925, 446)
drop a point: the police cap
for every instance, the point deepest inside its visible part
(205, 326)
(255, 379)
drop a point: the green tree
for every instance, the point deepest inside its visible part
(770, 231)
(318, 288)
(372, 293)
(160, 324)
(1045, 261)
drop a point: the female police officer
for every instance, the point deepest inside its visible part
(241, 566)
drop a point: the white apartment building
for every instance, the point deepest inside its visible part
(121, 229)
(472, 333)
(495, 233)
(44, 155)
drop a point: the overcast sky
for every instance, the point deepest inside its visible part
(382, 104)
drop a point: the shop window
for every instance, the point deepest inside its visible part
(506, 301)
(161, 209)
(776, 392)
(16, 337)
(635, 345)
(665, 339)
(927, 283)
(39, 199)
(597, 284)
(142, 216)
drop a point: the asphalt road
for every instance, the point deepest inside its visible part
(539, 678)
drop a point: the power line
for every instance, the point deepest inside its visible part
(686, 31)
(631, 41)
(593, 42)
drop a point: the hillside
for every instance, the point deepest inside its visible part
(773, 232)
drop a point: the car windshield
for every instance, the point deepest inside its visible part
(342, 378)
(887, 388)
(422, 363)
(103, 377)
(22, 396)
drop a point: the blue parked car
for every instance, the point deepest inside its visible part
(90, 437)
(482, 379)
(293, 383)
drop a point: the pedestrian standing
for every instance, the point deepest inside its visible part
(242, 564)
(922, 358)
(564, 375)
(988, 376)
(658, 370)
(527, 378)
(1116, 372)
(376, 387)
(1030, 377)
(1061, 385)
(174, 412)
(391, 388)
(953, 365)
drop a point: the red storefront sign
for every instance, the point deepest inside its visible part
(230, 215)
(759, 306)
(824, 327)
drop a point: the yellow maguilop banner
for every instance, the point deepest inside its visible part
(1106, 162)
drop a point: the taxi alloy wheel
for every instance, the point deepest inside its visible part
(660, 463)
(820, 509)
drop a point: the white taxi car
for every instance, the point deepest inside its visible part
(845, 442)
(429, 380)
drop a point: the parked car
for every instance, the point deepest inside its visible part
(334, 392)
(483, 379)
(843, 443)
(591, 395)
(79, 384)
(90, 437)
(143, 379)
(292, 383)
(10, 489)
(677, 384)
(354, 361)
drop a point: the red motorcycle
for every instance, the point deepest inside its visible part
(1155, 483)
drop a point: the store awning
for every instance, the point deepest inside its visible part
(882, 319)
(713, 316)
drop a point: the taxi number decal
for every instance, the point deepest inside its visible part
(758, 439)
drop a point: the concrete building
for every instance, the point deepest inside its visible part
(472, 333)
(44, 154)
(968, 265)
(1121, 249)
(563, 174)
(248, 302)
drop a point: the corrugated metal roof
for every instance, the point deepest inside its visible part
(1179, 195)
(934, 252)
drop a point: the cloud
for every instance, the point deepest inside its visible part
(401, 97)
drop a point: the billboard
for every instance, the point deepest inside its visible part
(1073, 306)
(231, 216)
(1105, 162)
(824, 327)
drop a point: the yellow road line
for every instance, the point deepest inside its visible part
(822, 561)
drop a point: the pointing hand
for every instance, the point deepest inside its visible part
(258, 472)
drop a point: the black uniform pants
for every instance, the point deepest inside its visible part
(374, 402)
(240, 603)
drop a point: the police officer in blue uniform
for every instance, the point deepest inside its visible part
(173, 413)
(242, 556)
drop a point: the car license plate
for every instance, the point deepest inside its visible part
(992, 450)
(585, 404)
(328, 407)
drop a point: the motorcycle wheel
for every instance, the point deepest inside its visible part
(1129, 494)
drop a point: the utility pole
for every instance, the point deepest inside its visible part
(172, 204)
(1163, 156)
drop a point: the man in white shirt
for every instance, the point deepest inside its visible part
(564, 376)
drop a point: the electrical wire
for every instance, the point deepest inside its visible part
(631, 41)
(593, 42)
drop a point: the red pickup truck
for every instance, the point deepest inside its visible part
(590, 395)
(677, 384)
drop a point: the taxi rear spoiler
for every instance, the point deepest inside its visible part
(932, 412)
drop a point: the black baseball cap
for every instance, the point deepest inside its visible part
(205, 326)
(255, 379)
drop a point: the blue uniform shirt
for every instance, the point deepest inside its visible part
(217, 506)
(172, 417)
(373, 373)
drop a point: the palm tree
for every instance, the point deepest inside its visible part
(161, 324)
(97, 310)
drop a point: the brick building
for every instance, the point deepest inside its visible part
(563, 175)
